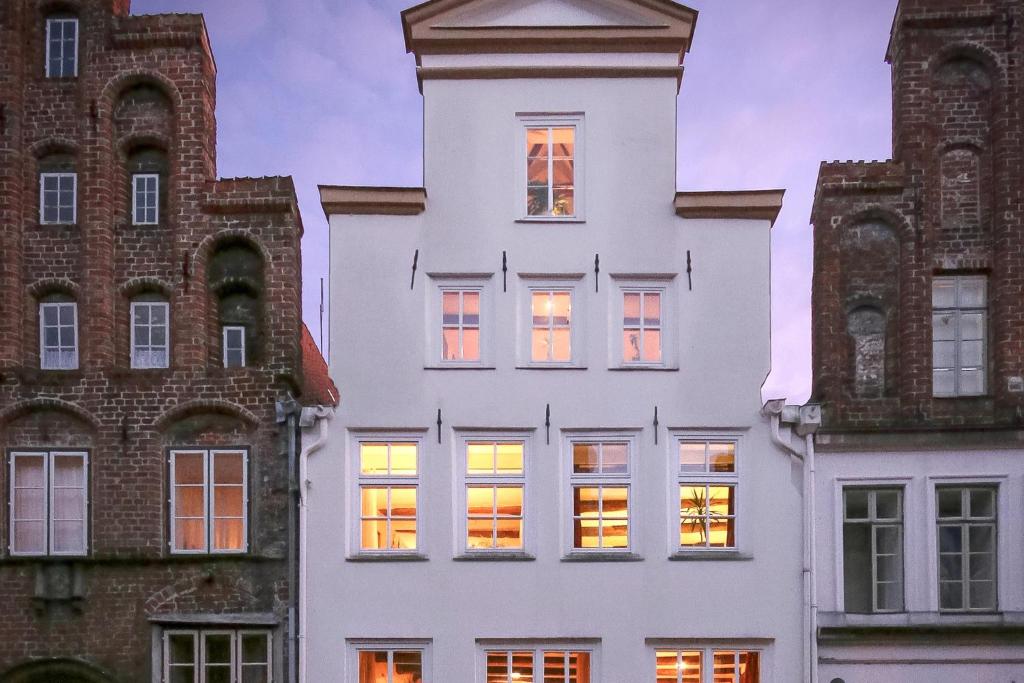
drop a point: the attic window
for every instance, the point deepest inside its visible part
(552, 167)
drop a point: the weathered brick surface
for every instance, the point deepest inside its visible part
(950, 201)
(128, 419)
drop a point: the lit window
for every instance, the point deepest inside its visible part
(495, 491)
(205, 656)
(233, 337)
(707, 494)
(873, 538)
(390, 666)
(537, 665)
(149, 334)
(641, 327)
(49, 499)
(58, 335)
(708, 665)
(209, 501)
(551, 311)
(460, 325)
(61, 47)
(967, 548)
(550, 171)
(145, 198)
(959, 320)
(58, 198)
(600, 482)
(388, 487)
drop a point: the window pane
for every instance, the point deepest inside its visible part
(856, 559)
(189, 501)
(631, 345)
(188, 468)
(652, 309)
(403, 459)
(631, 309)
(497, 667)
(450, 308)
(722, 457)
(254, 649)
(510, 458)
(228, 468)
(471, 344)
(562, 142)
(373, 458)
(982, 502)
(944, 327)
(181, 648)
(943, 293)
(218, 649)
(750, 667)
(561, 307)
(228, 534)
(480, 501)
(692, 457)
(509, 501)
(189, 534)
(950, 501)
(228, 501)
(408, 667)
(540, 345)
(972, 292)
(562, 351)
(652, 346)
(887, 504)
(614, 458)
(373, 666)
(480, 458)
(585, 457)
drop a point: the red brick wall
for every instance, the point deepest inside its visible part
(952, 197)
(128, 419)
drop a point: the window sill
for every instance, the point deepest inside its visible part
(643, 368)
(602, 556)
(550, 219)
(495, 556)
(69, 226)
(388, 557)
(551, 366)
(455, 366)
(709, 556)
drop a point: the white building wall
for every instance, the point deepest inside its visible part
(720, 337)
(882, 657)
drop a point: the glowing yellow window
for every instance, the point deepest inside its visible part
(600, 516)
(537, 666)
(680, 667)
(707, 493)
(550, 171)
(388, 496)
(390, 666)
(495, 489)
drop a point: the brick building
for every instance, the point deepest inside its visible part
(918, 329)
(149, 358)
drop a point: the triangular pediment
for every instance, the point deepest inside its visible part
(544, 13)
(525, 26)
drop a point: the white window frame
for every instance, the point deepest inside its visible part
(225, 329)
(358, 481)
(572, 283)
(48, 504)
(537, 649)
(958, 310)
(209, 455)
(421, 645)
(874, 522)
(591, 480)
(632, 284)
(50, 21)
(58, 175)
(58, 305)
(199, 636)
(155, 208)
(1001, 510)
(463, 480)
(678, 478)
(708, 650)
(152, 347)
(465, 282)
(525, 121)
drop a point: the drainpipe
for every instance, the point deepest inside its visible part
(318, 416)
(804, 420)
(287, 410)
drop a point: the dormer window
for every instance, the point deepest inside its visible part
(61, 47)
(552, 167)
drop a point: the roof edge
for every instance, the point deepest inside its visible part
(741, 204)
(362, 200)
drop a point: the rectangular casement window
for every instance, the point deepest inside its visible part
(967, 548)
(145, 198)
(150, 332)
(959, 348)
(388, 488)
(551, 312)
(58, 198)
(217, 656)
(390, 666)
(708, 481)
(233, 342)
(641, 327)
(600, 482)
(537, 666)
(495, 492)
(708, 666)
(61, 47)
(460, 325)
(209, 501)
(550, 171)
(49, 502)
(873, 550)
(58, 335)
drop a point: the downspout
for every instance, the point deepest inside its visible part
(287, 410)
(812, 541)
(319, 416)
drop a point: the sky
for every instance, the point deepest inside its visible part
(324, 91)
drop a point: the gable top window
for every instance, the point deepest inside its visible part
(145, 198)
(61, 47)
(959, 321)
(58, 194)
(553, 167)
(234, 346)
